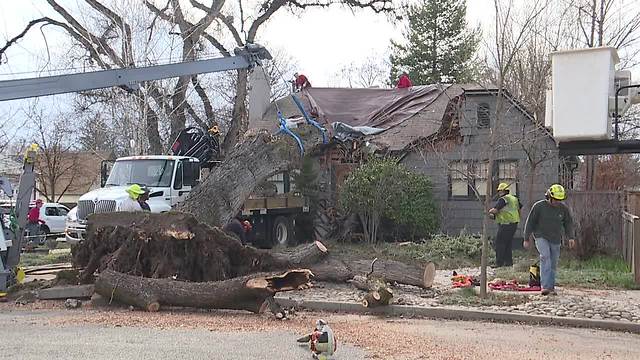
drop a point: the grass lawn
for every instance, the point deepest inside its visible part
(445, 252)
(36, 259)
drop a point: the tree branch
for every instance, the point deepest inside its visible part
(124, 27)
(102, 46)
(208, 109)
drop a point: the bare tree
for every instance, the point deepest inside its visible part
(57, 167)
(124, 33)
(373, 71)
(513, 29)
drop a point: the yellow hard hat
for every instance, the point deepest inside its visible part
(135, 190)
(503, 186)
(556, 191)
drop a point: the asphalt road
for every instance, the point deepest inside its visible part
(137, 335)
(21, 338)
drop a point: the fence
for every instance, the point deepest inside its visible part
(598, 221)
(631, 243)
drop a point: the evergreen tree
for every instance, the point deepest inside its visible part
(438, 46)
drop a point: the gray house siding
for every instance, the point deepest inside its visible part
(516, 134)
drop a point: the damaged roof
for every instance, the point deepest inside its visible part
(404, 116)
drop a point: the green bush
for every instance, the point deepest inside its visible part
(417, 209)
(382, 188)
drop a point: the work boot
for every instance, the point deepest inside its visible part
(545, 292)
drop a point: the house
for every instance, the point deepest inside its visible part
(11, 169)
(441, 131)
(64, 177)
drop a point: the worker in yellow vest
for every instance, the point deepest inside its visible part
(506, 212)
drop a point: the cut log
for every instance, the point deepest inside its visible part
(252, 293)
(257, 157)
(392, 271)
(177, 245)
(378, 292)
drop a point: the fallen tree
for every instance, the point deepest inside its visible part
(175, 245)
(257, 157)
(252, 293)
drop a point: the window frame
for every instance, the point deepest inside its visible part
(473, 178)
(482, 109)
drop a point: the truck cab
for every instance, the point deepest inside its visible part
(169, 179)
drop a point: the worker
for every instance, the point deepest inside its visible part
(322, 341)
(33, 220)
(300, 82)
(404, 82)
(506, 212)
(131, 202)
(547, 222)
(237, 228)
(142, 199)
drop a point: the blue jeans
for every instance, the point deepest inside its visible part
(549, 254)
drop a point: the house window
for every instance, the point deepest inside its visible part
(481, 177)
(508, 173)
(468, 179)
(458, 173)
(483, 113)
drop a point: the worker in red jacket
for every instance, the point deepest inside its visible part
(34, 221)
(300, 82)
(404, 82)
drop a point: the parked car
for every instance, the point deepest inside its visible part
(54, 216)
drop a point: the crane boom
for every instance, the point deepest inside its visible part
(245, 57)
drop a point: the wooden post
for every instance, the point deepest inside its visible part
(635, 252)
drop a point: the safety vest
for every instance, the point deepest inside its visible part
(510, 213)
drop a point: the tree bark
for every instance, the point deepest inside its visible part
(239, 113)
(177, 245)
(392, 271)
(222, 193)
(252, 293)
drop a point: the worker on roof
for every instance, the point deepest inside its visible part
(300, 82)
(131, 202)
(403, 81)
(506, 212)
(547, 222)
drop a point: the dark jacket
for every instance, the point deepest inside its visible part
(235, 227)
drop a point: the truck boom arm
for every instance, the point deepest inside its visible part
(245, 58)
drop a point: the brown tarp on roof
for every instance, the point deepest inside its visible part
(381, 108)
(405, 114)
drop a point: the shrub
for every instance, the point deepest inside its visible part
(382, 188)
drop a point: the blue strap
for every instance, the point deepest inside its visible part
(284, 129)
(310, 120)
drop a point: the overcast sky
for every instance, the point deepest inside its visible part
(321, 40)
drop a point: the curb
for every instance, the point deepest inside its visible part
(462, 314)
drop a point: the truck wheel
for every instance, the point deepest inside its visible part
(283, 232)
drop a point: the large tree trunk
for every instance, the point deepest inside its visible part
(220, 196)
(177, 245)
(238, 114)
(252, 293)
(392, 271)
